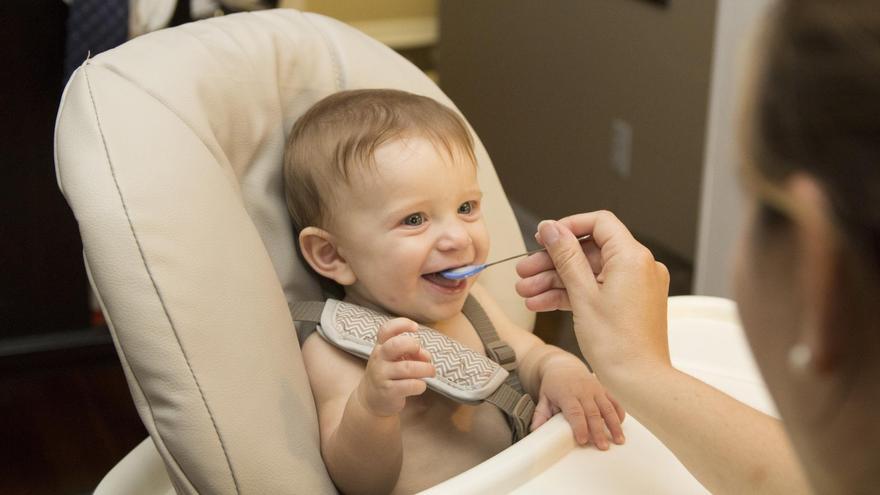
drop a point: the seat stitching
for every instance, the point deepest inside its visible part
(153, 281)
(126, 362)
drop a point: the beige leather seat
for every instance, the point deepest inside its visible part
(168, 150)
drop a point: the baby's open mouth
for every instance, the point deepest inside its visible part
(437, 279)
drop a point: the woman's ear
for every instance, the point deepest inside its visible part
(818, 266)
(320, 251)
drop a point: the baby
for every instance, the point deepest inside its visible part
(382, 186)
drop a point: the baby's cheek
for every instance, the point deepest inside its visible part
(482, 253)
(481, 242)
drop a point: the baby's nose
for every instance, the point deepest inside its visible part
(454, 237)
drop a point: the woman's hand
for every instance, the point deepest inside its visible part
(617, 293)
(615, 289)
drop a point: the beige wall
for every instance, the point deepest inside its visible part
(542, 82)
(348, 11)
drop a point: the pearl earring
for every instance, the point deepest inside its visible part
(800, 358)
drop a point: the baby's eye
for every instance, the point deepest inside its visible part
(466, 208)
(414, 220)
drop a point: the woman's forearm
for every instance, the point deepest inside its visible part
(728, 446)
(364, 452)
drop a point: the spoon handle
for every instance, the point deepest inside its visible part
(580, 239)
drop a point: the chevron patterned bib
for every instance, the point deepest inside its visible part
(462, 374)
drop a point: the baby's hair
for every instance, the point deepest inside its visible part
(341, 133)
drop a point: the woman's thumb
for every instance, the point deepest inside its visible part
(568, 258)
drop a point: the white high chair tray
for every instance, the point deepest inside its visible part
(706, 341)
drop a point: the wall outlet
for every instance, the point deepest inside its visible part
(621, 148)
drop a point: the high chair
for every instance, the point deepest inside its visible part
(168, 150)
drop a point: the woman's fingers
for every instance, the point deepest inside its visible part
(550, 300)
(569, 259)
(609, 236)
(604, 226)
(534, 264)
(594, 256)
(542, 282)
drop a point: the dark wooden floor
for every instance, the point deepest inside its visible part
(66, 418)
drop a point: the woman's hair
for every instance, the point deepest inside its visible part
(817, 111)
(340, 134)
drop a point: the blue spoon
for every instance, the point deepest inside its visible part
(466, 271)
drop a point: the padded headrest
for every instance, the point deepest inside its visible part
(168, 150)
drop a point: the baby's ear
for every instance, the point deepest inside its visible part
(319, 249)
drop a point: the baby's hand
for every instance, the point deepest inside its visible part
(395, 369)
(569, 387)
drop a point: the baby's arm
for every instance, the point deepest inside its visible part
(559, 380)
(358, 410)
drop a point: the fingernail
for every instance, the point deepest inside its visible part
(549, 232)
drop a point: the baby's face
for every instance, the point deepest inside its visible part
(416, 214)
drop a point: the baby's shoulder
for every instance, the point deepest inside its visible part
(331, 371)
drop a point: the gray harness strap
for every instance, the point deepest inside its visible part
(510, 396)
(517, 405)
(307, 315)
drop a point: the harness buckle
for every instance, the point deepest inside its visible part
(502, 354)
(521, 417)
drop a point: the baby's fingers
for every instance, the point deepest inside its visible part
(402, 370)
(410, 387)
(574, 414)
(621, 413)
(596, 424)
(542, 413)
(422, 355)
(401, 347)
(612, 420)
(395, 327)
